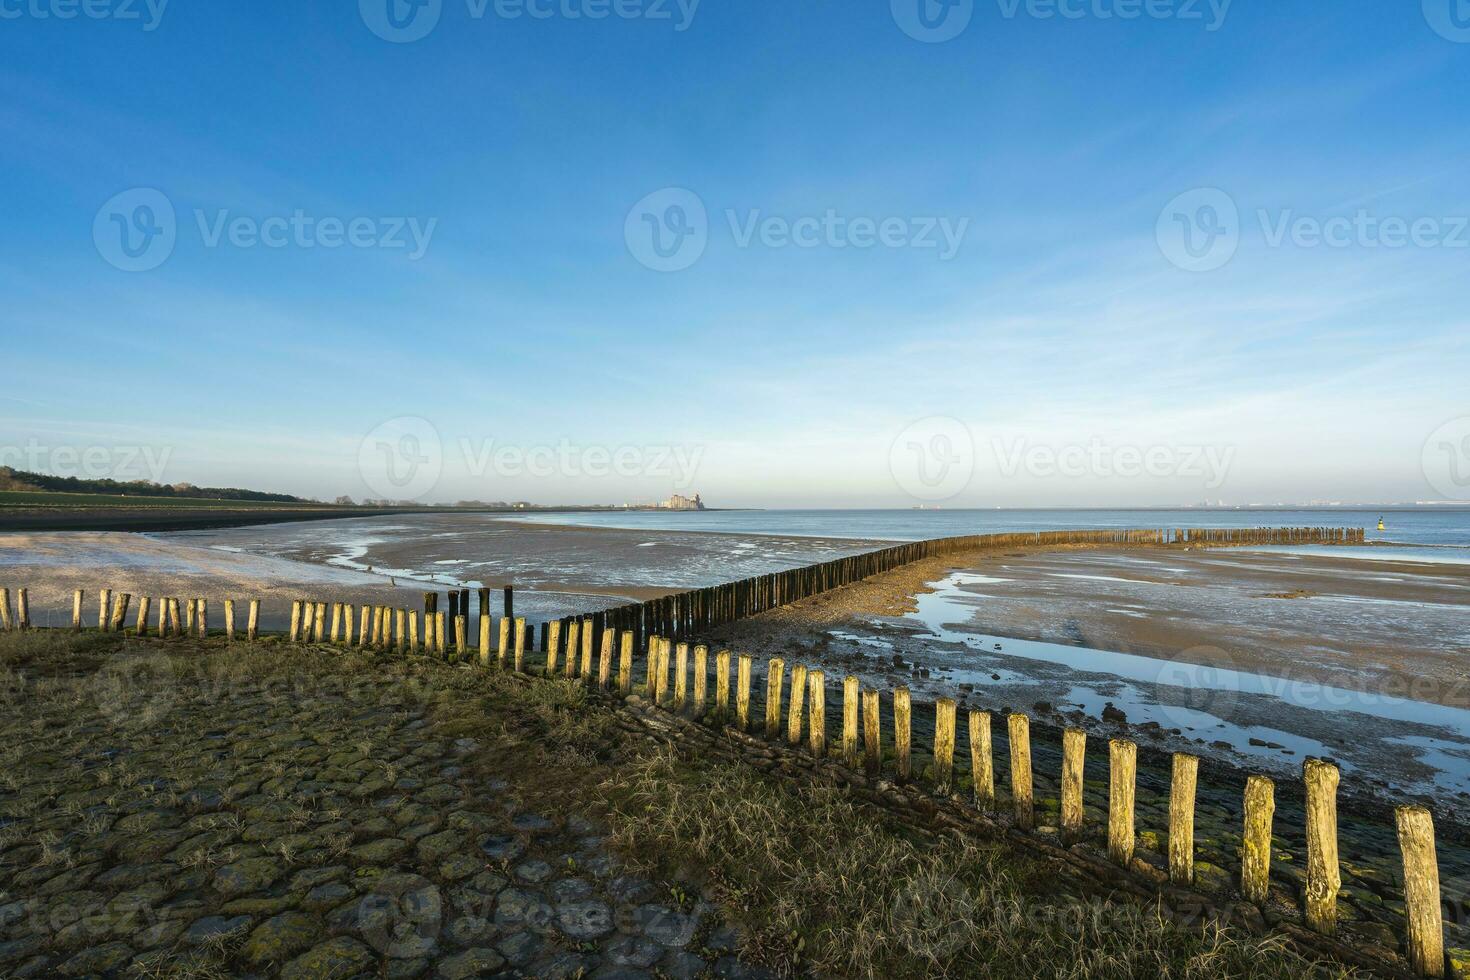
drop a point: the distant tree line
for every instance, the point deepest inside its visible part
(13, 479)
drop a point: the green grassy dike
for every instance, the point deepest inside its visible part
(202, 781)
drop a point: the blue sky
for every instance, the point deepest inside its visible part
(1058, 333)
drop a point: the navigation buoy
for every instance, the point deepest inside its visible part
(1380, 524)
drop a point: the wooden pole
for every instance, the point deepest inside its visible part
(119, 612)
(502, 653)
(413, 631)
(485, 624)
(1122, 792)
(872, 733)
(742, 692)
(902, 753)
(140, 628)
(681, 676)
(175, 619)
(1181, 818)
(574, 634)
(625, 664)
(252, 621)
(982, 765)
(520, 650)
(944, 733)
(553, 645)
(104, 606)
(665, 652)
(76, 611)
(604, 658)
(775, 678)
(296, 620)
(1019, 727)
(6, 622)
(851, 698)
(1324, 878)
(1255, 851)
(797, 708)
(1074, 749)
(722, 683)
(23, 608)
(319, 627)
(229, 620)
(441, 636)
(1421, 890)
(701, 671)
(586, 672)
(201, 616)
(816, 713)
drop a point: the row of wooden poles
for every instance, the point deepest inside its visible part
(691, 613)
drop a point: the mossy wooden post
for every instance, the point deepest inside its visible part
(775, 678)
(175, 618)
(665, 654)
(553, 645)
(76, 612)
(201, 616)
(1255, 845)
(252, 621)
(1324, 878)
(816, 720)
(944, 733)
(119, 612)
(574, 636)
(872, 733)
(485, 624)
(851, 699)
(722, 684)
(336, 622)
(701, 676)
(1421, 890)
(797, 707)
(296, 620)
(229, 619)
(400, 637)
(1122, 793)
(742, 692)
(1019, 728)
(520, 651)
(413, 631)
(625, 663)
(429, 644)
(502, 648)
(441, 638)
(462, 631)
(681, 676)
(189, 608)
(104, 604)
(586, 671)
(605, 658)
(1181, 818)
(902, 734)
(982, 764)
(321, 622)
(1074, 750)
(6, 622)
(140, 626)
(23, 608)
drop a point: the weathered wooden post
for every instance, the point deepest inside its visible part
(1074, 748)
(775, 678)
(665, 654)
(722, 684)
(1324, 878)
(104, 606)
(295, 634)
(1255, 845)
(742, 692)
(201, 616)
(851, 696)
(553, 646)
(141, 627)
(574, 635)
(485, 625)
(119, 612)
(1019, 728)
(6, 621)
(605, 658)
(982, 765)
(229, 620)
(902, 751)
(872, 733)
(502, 652)
(400, 629)
(1421, 890)
(817, 713)
(1122, 790)
(1181, 818)
(252, 621)
(701, 676)
(625, 663)
(76, 611)
(336, 622)
(681, 676)
(944, 733)
(175, 618)
(520, 651)
(23, 608)
(441, 636)
(797, 708)
(413, 631)
(586, 672)
(462, 635)
(319, 628)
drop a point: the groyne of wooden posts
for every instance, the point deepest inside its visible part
(608, 651)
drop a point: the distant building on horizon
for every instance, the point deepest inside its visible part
(680, 502)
